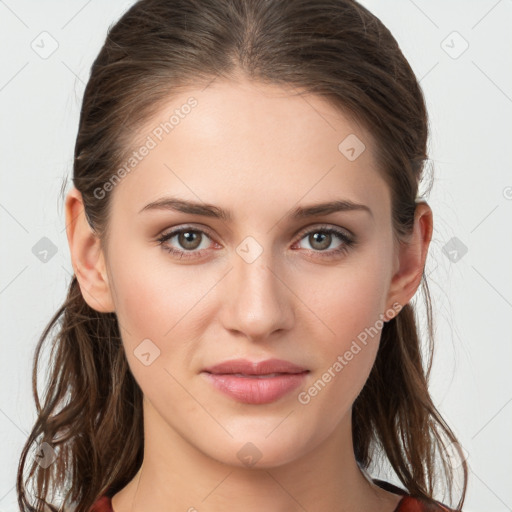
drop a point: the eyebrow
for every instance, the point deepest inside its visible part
(209, 210)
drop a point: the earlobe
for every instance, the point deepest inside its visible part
(412, 255)
(86, 255)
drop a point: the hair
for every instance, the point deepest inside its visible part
(92, 415)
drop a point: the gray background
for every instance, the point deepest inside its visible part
(469, 97)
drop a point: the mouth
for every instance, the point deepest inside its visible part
(255, 383)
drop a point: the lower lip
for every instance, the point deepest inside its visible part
(254, 390)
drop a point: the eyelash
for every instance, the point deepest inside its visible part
(348, 242)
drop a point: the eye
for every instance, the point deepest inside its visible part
(191, 239)
(321, 239)
(188, 238)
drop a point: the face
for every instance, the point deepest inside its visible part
(260, 282)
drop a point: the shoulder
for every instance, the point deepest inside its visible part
(410, 504)
(102, 504)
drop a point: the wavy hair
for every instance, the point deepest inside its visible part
(90, 417)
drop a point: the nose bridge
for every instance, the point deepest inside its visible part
(258, 302)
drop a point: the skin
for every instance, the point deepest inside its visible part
(259, 152)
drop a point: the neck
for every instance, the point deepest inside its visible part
(176, 476)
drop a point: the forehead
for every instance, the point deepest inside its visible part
(254, 146)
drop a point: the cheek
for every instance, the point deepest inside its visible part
(349, 305)
(152, 294)
(154, 305)
(352, 299)
(162, 302)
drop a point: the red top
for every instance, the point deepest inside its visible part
(406, 504)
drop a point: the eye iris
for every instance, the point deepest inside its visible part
(323, 238)
(186, 239)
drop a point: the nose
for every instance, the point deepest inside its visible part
(257, 301)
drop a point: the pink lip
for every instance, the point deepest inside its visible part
(255, 368)
(251, 386)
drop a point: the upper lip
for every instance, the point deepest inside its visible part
(246, 367)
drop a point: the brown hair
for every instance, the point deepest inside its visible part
(92, 410)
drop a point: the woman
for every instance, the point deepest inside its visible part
(247, 235)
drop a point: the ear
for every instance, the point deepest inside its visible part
(410, 258)
(86, 255)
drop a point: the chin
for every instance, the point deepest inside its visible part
(259, 451)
